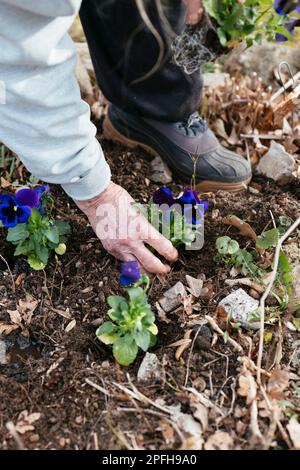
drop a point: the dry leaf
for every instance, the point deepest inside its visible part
(278, 383)
(70, 326)
(201, 414)
(162, 316)
(15, 317)
(25, 421)
(195, 285)
(244, 228)
(185, 345)
(247, 387)
(20, 279)
(219, 441)
(167, 431)
(294, 431)
(6, 329)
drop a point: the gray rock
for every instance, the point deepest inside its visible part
(159, 171)
(172, 298)
(241, 307)
(277, 164)
(214, 80)
(150, 369)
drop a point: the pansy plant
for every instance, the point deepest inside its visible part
(131, 324)
(178, 219)
(26, 215)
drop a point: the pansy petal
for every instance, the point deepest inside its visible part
(7, 199)
(163, 195)
(27, 197)
(10, 221)
(125, 281)
(131, 270)
(23, 214)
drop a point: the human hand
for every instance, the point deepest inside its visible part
(194, 11)
(123, 231)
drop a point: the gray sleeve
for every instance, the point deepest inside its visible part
(42, 116)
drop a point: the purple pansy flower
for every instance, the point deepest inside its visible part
(27, 197)
(284, 7)
(130, 273)
(193, 208)
(193, 215)
(163, 195)
(40, 191)
(13, 211)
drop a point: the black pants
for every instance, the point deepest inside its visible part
(124, 51)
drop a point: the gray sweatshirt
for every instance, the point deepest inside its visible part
(42, 117)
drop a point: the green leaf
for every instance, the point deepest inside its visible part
(35, 217)
(142, 339)
(136, 293)
(225, 245)
(107, 338)
(114, 301)
(42, 253)
(17, 233)
(35, 263)
(153, 340)
(107, 327)
(52, 235)
(124, 352)
(153, 329)
(62, 227)
(24, 247)
(226, 336)
(268, 239)
(60, 249)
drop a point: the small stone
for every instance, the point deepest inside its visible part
(240, 306)
(78, 419)
(204, 338)
(34, 438)
(159, 171)
(277, 164)
(149, 370)
(195, 285)
(172, 298)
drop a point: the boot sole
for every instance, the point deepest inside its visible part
(111, 133)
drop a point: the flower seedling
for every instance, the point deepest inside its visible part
(178, 219)
(132, 320)
(34, 233)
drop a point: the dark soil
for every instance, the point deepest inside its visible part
(49, 375)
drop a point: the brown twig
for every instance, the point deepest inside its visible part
(11, 274)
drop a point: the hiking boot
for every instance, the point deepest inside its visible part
(189, 148)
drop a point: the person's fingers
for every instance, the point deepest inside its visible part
(194, 11)
(161, 245)
(148, 261)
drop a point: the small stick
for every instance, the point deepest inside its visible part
(216, 328)
(11, 274)
(97, 387)
(267, 292)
